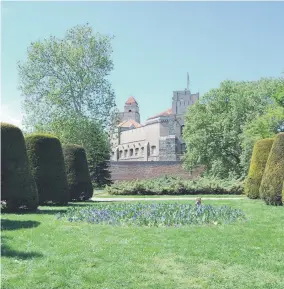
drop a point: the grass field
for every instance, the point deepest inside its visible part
(39, 251)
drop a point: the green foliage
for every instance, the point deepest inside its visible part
(263, 126)
(259, 158)
(273, 177)
(279, 94)
(18, 188)
(62, 76)
(78, 176)
(214, 125)
(176, 186)
(67, 92)
(88, 133)
(47, 165)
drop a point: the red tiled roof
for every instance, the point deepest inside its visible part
(164, 113)
(131, 100)
(129, 123)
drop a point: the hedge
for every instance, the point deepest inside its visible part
(78, 176)
(18, 188)
(259, 158)
(273, 177)
(175, 186)
(48, 168)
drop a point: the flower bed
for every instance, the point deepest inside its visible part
(153, 215)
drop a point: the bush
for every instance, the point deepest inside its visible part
(47, 165)
(273, 177)
(78, 176)
(259, 158)
(176, 186)
(18, 188)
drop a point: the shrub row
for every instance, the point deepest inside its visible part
(266, 173)
(175, 186)
(33, 170)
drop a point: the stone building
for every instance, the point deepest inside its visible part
(159, 139)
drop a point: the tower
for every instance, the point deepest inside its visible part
(131, 110)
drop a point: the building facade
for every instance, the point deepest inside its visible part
(159, 139)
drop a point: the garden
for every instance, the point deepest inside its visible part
(223, 229)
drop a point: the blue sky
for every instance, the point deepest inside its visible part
(155, 45)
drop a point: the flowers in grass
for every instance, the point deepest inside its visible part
(153, 215)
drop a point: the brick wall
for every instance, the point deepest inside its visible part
(124, 171)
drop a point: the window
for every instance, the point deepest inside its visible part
(181, 130)
(153, 150)
(136, 151)
(131, 152)
(142, 151)
(129, 110)
(183, 148)
(125, 153)
(120, 154)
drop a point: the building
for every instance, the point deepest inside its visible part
(159, 139)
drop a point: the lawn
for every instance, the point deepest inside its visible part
(40, 251)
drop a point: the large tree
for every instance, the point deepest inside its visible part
(67, 91)
(62, 76)
(214, 125)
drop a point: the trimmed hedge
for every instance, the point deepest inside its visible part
(78, 176)
(18, 188)
(273, 177)
(259, 158)
(48, 168)
(176, 186)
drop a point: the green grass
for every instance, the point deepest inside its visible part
(43, 252)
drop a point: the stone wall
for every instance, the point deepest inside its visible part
(125, 170)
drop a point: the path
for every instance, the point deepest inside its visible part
(161, 199)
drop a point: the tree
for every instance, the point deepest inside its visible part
(67, 92)
(261, 151)
(262, 127)
(214, 125)
(271, 186)
(78, 176)
(48, 168)
(18, 187)
(69, 75)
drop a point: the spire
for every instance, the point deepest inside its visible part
(131, 100)
(187, 81)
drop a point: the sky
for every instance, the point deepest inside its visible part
(155, 45)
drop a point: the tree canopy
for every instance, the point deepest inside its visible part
(67, 91)
(214, 125)
(68, 75)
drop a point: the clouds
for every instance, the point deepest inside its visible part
(11, 116)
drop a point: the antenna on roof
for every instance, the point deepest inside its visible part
(187, 81)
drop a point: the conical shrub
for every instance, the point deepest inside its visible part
(259, 158)
(273, 177)
(48, 168)
(18, 188)
(78, 176)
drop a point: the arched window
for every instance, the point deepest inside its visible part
(136, 151)
(131, 152)
(125, 153)
(181, 130)
(153, 150)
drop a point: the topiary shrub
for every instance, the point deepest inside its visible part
(259, 158)
(78, 176)
(273, 177)
(18, 188)
(48, 168)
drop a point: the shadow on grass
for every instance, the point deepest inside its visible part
(6, 251)
(16, 225)
(55, 209)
